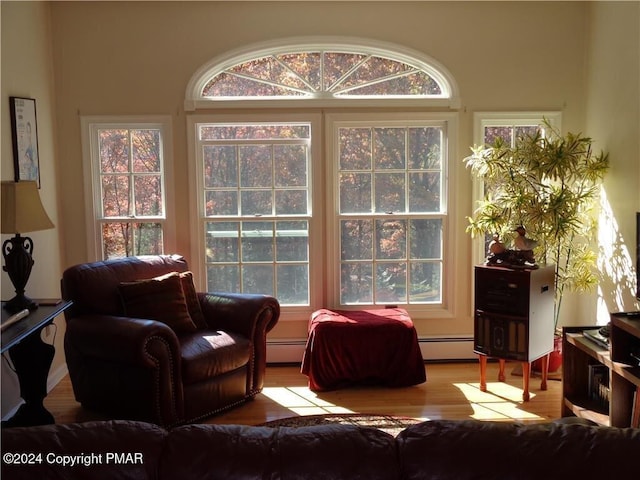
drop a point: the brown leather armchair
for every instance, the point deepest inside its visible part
(138, 368)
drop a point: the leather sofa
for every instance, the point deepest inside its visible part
(438, 450)
(142, 344)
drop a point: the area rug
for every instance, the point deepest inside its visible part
(388, 423)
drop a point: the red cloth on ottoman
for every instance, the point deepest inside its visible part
(362, 346)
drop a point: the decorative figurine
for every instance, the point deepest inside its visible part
(520, 257)
(524, 245)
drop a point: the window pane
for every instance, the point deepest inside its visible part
(220, 166)
(257, 242)
(356, 283)
(391, 239)
(293, 282)
(355, 193)
(218, 203)
(292, 240)
(290, 165)
(390, 148)
(254, 132)
(222, 241)
(148, 195)
(256, 202)
(425, 282)
(147, 239)
(425, 148)
(306, 65)
(355, 148)
(257, 279)
(426, 239)
(115, 196)
(424, 192)
(390, 192)
(126, 239)
(256, 169)
(391, 282)
(114, 150)
(146, 151)
(291, 202)
(493, 133)
(356, 239)
(116, 240)
(336, 65)
(223, 278)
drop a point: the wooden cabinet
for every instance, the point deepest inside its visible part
(513, 319)
(513, 312)
(582, 359)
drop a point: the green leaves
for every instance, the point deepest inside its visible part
(549, 183)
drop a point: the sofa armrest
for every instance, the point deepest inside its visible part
(119, 339)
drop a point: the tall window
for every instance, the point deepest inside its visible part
(392, 210)
(256, 207)
(489, 126)
(127, 177)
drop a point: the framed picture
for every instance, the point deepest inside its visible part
(24, 129)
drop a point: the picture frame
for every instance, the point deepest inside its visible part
(24, 131)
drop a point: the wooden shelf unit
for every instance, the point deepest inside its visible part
(578, 352)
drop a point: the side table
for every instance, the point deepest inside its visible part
(31, 359)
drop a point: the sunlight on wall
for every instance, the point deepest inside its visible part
(501, 401)
(616, 290)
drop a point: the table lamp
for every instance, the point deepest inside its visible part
(22, 211)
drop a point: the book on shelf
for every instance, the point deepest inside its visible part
(598, 384)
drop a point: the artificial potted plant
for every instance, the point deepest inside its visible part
(550, 184)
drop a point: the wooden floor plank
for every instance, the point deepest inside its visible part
(450, 392)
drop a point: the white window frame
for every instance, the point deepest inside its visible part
(90, 125)
(443, 309)
(316, 208)
(500, 119)
(194, 99)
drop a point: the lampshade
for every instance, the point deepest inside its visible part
(22, 210)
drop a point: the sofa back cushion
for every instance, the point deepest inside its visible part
(106, 449)
(472, 449)
(94, 287)
(234, 451)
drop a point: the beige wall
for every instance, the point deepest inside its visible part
(27, 71)
(137, 57)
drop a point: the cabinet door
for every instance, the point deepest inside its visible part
(502, 336)
(502, 291)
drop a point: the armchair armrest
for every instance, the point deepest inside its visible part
(249, 315)
(143, 353)
(239, 312)
(119, 339)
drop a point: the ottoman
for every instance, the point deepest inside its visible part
(349, 347)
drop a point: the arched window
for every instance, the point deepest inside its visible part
(344, 208)
(321, 71)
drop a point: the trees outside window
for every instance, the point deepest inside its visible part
(126, 169)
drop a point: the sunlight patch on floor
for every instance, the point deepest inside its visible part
(302, 401)
(501, 401)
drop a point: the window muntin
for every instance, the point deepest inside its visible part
(256, 208)
(391, 211)
(127, 165)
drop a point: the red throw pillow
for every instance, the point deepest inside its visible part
(161, 299)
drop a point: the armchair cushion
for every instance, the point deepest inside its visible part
(210, 353)
(160, 298)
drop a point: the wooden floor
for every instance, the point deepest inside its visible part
(450, 392)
